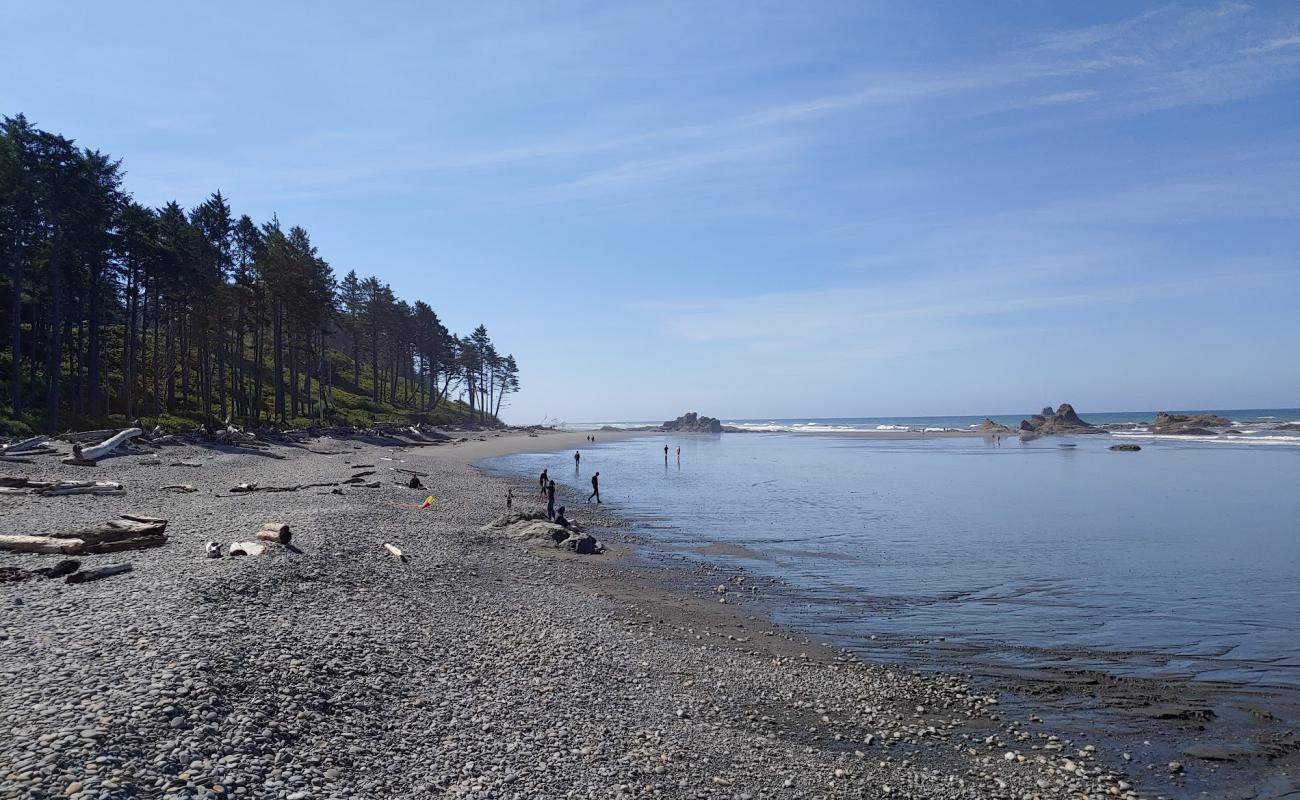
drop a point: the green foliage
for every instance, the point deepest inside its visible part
(118, 312)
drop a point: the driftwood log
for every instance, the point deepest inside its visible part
(127, 533)
(25, 445)
(277, 532)
(27, 486)
(88, 575)
(247, 548)
(99, 451)
(395, 551)
(40, 544)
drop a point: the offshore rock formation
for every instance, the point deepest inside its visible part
(1061, 422)
(1193, 424)
(691, 422)
(989, 426)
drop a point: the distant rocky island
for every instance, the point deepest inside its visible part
(1189, 424)
(1062, 421)
(690, 422)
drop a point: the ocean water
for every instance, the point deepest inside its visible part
(1182, 560)
(1252, 426)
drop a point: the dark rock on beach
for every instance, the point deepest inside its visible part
(1061, 422)
(691, 422)
(1125, 448)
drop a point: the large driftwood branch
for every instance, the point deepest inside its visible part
(99, 451)
(26, 444)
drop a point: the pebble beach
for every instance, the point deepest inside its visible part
(474, 666)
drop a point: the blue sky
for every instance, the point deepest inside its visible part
(747, 209)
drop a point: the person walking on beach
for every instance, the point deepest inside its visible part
(577, 459)
(595, 488)
(510, 498)
(550, 499)
(665, 455)
(541, 483)
(679, 455)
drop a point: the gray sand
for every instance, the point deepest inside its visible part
(480, 668)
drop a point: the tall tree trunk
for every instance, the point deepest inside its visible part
(16, 334)
(278, 357)
(94, 392)
(54, 345)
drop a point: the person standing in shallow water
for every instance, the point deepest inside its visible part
(577, 459)
(665, 455)
(595, 488)
(541, 483)
(550, 499)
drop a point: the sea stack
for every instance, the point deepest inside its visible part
(1061, 422)
(691, 422)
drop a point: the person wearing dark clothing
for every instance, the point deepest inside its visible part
(510, 498)
(560, 519)
(577, 458)
(595, 488)
(541, 482)
(550, 499)
(665, 455)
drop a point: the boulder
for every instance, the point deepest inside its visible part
(1189, 424)
(691, 422)
(989, 426)
(1125, 448)
(534, 528)
(1063, 421)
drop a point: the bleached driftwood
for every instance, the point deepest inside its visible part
(28, 486)
(127, 533)
(178, 487)
(99, 451)
(25, 444)
(85, 576)
(277, 532)
(394, 551)
(83, 487)
(40, 544)
(247, 548)
(82, 437)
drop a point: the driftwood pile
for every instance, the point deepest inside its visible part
(21, 450)
(126, 533)
(51, 488)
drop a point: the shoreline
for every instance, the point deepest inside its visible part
(1229, 729)
(482, 664)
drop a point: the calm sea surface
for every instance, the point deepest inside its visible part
(1180, 560)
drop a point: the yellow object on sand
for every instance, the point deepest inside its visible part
(428, 502)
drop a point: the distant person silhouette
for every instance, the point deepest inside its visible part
(595, 488)
(510, 498)
(679, 455)
(577, 459)
(550, 499)
(541, 482)
(665, 455)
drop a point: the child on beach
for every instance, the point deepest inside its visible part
(541, 482)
